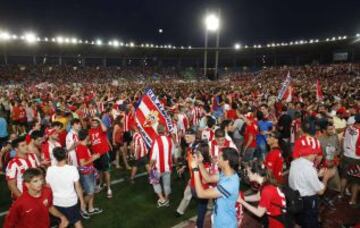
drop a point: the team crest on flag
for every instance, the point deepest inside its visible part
(151, 119)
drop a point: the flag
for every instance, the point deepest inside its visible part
(319, 93)
(288, 95)
(149, 113)
(285, 88)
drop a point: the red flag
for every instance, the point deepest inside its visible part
(148, 114)
(319, 93)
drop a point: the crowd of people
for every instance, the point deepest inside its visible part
(62, 128)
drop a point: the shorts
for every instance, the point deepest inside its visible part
(19, 123)
(88, 183)
(141, 162)
(345, 164)
(102, 164)
(71, 213)
(249, 154)
(127, 137)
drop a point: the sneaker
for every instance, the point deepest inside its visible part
(95, 211)
(109, 193)
(166, 203)
(178, 215)
(84, 214)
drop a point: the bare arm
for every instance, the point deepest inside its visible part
(64, 222)
(206, 176)
(210, 193)
(253, 198)
(13, 188)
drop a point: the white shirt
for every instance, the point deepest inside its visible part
(71, 138)
(62, 182)
(304, 178)
(351, 137)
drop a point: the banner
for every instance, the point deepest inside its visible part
(149, 113)
(284, 87)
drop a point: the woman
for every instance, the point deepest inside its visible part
(271, 199)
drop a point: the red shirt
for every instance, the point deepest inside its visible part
(306, 141)
(272, 199)
(83, 152)
(28, 211)
(274, 162)
(62, 138)
(231, 114)
(99, 142)
(253, 130)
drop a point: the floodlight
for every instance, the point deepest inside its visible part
(30, 37)
(212, 22)
(237, 46)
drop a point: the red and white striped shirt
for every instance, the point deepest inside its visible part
(306, 141)
(216, 150)
(161, 152)
(182, 123)
(17, 166)
(128, 121)
(138, 146)
(47, 151)
(195, 116)
(208, 134)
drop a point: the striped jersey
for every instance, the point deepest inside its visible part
(161, 152)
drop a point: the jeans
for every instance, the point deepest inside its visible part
(308, 218)
(201, 210)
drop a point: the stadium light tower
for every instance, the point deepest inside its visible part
(212, 24)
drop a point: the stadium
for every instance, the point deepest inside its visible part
(192, 129)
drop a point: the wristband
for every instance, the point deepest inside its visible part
(196, 169)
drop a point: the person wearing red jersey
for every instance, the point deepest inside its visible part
(32, 208)
(87, 173)
(307, 140)
(18, 165)
(274, 160)
(101, 145)
(140, 152)
(161, 153)
(272, 202)
(251, 130)
(232, 113)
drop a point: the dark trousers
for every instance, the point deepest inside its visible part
(201, 212)
(308, 218)
(201, 209)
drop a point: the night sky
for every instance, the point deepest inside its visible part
(245, 21)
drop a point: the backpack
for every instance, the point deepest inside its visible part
(294, 205)
(294, 202)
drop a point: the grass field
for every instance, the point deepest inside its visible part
(131, 206)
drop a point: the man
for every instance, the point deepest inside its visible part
(18, 165)
(265, 126)
(87, 173)
(34, 145)
(330, 145)
(304, 178)
(351, 158)
(284, 127)
(72, 141)
(101, 145)
(208, 133)
(64, 182)
(251, 130)
(161, 153)
(227, 190)
(140, 152)
(218, 144)
(47, 156)
(32, 208)
(274, 160)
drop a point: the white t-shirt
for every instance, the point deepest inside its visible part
(62, 182)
